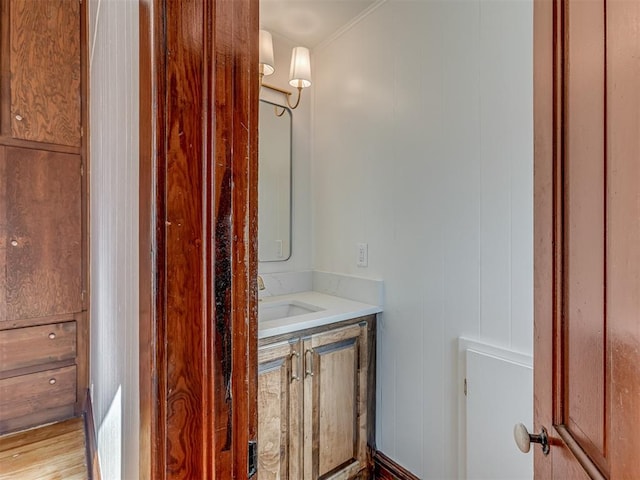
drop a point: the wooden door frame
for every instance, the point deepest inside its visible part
(198, 237)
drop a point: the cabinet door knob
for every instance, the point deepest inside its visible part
(52, 336)
(19, 118)
(14, 243)
(52, 381)
(524, 439)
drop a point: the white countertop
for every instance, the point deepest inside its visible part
(334, 309)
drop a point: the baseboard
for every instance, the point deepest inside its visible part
(387, 469)
(90, 434)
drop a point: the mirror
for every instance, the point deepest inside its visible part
(274, 183)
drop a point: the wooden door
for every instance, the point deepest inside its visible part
(198, 238)
(335, 402)
(587, 237)
(280, 411)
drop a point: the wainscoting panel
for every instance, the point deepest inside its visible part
(496, 392)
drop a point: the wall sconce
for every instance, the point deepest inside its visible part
(299, 73)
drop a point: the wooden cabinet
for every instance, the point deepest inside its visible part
(41, 210)
(43, 203)
(42, 94)
(314, 403)
(335, 401)
(38, 373)
(42, 344)
(280, 411)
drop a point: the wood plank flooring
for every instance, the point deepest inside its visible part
(52, 452)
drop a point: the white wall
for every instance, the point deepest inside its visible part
(113, 28)
(301, 157)
(422, 147)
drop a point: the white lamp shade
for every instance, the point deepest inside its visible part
(266, 53)
(300, 73)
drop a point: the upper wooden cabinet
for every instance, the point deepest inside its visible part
(41, 72)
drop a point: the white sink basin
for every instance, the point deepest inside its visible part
(284, 309)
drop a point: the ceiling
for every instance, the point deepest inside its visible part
(308, 22)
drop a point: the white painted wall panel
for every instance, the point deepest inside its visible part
(422, 148)
(113, 28)
(499, 385)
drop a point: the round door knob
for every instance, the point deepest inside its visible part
(524, 439)
(52, 336)
(52, 381)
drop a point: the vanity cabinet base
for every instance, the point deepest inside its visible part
(315, 412)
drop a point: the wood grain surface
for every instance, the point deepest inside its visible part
(28, 346)
(43, 211)
(43, 233)
(279, 407)
(52, 452)
(5, 70)
(387, 469)
(584, 234)
(3, 234)
(623, 226)
(586, 237)
(335, 403)
(198, 193)
(333, 423)
(45, 71)
(27, 395)
(338, 414)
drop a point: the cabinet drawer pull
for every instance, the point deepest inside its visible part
(295, 359)
(309, 365)
(52, 336)
(52, 381)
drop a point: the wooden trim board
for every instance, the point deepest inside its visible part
(93, 465)
(387, 469)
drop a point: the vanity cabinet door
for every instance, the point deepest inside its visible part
(335, 404)
(280, 411)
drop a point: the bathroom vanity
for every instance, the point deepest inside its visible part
(316, 387)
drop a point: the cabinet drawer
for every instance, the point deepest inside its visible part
(28, 394)
(28, 346)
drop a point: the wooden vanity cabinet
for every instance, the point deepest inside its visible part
(280, 411)
(314, 402)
